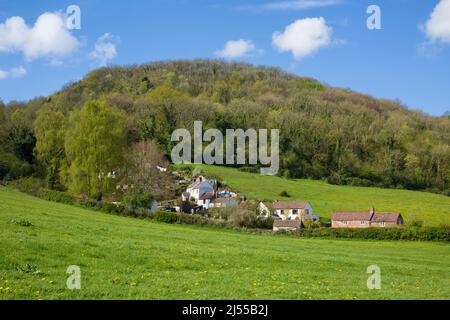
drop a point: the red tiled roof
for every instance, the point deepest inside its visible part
(289, 205)
(386, 217)
(206, 196)
(352, 215)
(287, 223)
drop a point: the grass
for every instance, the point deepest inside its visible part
(129, 258)
(432, 209)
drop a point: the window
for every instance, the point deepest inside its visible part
(382, 224)
(362, 222)
(344, 222)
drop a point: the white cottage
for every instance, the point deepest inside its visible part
(294, 210)
(199, 187)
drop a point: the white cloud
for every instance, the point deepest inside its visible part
(13, 73)
(49, 37)
(237, 49)
(104, 49)
(437, 28)
(303, 37)
(300, 4)
(293, 5)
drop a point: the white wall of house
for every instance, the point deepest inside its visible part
(204, 203)
(200, 190)
(293, 214)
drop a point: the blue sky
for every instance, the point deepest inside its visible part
(408, 59)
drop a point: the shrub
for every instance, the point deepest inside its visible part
(22, 223)
(168, 217)
(28, 268)
(285, 194)
(311, 224)
(192, 219)
(415, 223)
(335, 178)
(28, 185)
(56, 196)
(137, 198)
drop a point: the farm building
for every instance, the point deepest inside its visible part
(287, 225)
(365, 219)
(294, 210)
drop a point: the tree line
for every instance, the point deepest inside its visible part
(108, 126)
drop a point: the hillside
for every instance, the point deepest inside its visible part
(432, 209)
(325, 133)
(128, 258)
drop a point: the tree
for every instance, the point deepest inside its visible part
(137, 198)
(2, 123)
(441, 160)
(95, 143)
(19, 130)
(49, 150)
(143, 172)
(158, 117)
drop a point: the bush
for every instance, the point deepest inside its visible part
(311, 224)
(28, 185)
(192, 219)
(335, 178)
(22, 223)
(56, 196)
(168, 217)
(137, 198)
(415, 223)
(285, 194)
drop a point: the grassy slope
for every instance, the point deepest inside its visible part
(433, 209)
(130, 258)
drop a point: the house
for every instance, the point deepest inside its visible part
(224, 203)
(365, 219)
(287, 225)
(387, 220)
(294, 210)
(199, 187)
(206, 198)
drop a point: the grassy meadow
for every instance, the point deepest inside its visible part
(432, 209)
(129, 258)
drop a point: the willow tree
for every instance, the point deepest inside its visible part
(49, 150)
(95, 142)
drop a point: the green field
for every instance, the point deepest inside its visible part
(126, 258)
(432, 209)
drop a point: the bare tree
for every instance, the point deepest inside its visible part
(147, 168)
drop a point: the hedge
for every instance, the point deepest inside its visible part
(56, 196)
(402, 233)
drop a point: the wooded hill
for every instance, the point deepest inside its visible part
(325, 133)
